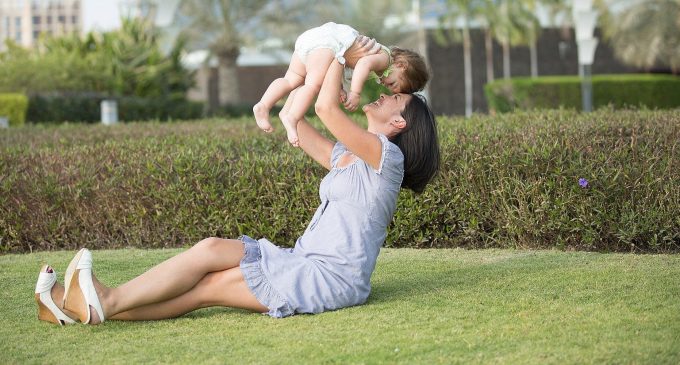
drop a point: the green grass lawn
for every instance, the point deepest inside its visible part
(427, 306)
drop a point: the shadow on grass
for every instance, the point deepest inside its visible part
(412, 283)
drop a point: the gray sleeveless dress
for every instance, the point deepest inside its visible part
(331, 264)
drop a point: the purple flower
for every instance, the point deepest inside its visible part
(583, 182)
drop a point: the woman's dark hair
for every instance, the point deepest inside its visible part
(419, 144)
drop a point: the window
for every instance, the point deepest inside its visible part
(17, 37)
(61, 19)
(74, 19)
(17, 22)
(36, 35)
(49, 20)
(36, 20)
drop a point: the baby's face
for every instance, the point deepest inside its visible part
(394, 81)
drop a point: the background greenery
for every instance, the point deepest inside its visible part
(506, 181)
(13, 106)
(553, 92)
(66, 78)
(426, 307)
(86, 107)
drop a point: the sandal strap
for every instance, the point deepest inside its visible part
(45, 282)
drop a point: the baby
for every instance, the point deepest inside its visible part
(399, 70)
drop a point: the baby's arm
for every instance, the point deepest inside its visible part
(377, 63)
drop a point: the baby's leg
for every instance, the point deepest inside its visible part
(294, 77)
(317, 65)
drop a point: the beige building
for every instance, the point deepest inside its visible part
(22, 21)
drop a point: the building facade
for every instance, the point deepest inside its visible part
(23, 21)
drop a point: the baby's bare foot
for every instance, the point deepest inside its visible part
(262, 117)
(291, 130)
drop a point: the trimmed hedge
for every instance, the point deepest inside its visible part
(508, 181)
(553, 92)
(13, 106)
(86, 108)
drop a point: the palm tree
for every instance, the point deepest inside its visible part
(224, 26)
(490, 19)
(463, 11)
(516, 24)
(532, 30)
(368, 17)
(646, 33)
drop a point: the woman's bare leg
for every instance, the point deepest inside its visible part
(225, 288)
(294, 77)
(317, 66)
(222, 288)
(173, 277)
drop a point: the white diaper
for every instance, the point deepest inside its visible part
(336, 37)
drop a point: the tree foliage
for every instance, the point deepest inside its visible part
(647, 33)
(368, 17)
(127, 62)
(224, 26)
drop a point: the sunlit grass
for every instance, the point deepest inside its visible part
(427, 306)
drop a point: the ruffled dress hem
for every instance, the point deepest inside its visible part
(259, 283)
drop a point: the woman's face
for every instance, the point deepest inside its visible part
(385, 110)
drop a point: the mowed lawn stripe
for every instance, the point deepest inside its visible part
(427, 306)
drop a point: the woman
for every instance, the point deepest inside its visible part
(331, 263)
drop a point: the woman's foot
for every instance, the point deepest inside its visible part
(46, 290)
(81, 294)
(291, 130)
(262, 117)
(101, 292)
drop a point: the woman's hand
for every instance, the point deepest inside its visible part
(362, 46)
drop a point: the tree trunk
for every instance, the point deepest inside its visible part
(506, 60)
(228, 78)
(534, 58)
(467, 58)
(488, 43)
(506, 41)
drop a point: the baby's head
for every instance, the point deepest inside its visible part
(409, 72)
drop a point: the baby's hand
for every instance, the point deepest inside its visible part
(352, 101)
(343, 96)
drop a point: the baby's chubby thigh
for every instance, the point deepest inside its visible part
(318, 61)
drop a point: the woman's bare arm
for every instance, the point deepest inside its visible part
(362, 143)
(315, 144)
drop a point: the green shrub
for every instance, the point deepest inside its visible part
(86, 108)
(134, 108)
(553, 92)
(506, 181)
(13, 106)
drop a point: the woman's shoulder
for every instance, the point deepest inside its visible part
(392, 158)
